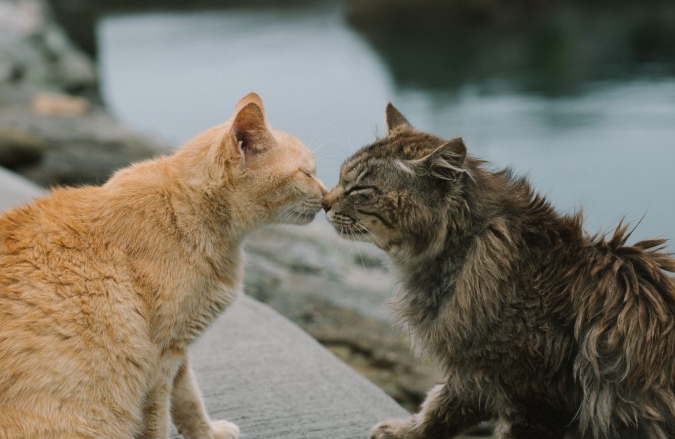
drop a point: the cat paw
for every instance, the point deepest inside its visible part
(391, 429)
(224, 430)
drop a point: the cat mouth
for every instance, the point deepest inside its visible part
(301, 214)
(346, 227)
(302, 217)
(305, 215)
(351, 233)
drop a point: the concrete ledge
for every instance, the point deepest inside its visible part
(260, 371)
(16, 190)
(257, 369)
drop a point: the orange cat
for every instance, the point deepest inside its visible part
(102, 289)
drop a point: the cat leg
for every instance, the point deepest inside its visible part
(533, 422)
(444, 414)
(156, 419)
(527, 430)
(188, 413)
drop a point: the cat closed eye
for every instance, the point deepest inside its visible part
(361, 190)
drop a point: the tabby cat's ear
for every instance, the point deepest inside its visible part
(250, 131)
(395, 119)
(445, 162)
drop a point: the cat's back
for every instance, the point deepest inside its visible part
(47, 240)
(68, 314)
(56, 265)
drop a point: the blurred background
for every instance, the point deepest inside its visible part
(577, 95)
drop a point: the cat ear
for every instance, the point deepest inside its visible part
(445, 162)
(248, 99)
(395, 119)
(250, 131)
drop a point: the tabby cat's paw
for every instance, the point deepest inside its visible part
(391, 429)
(224, 430)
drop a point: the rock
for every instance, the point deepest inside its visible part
(10, 72)
(19, 149)
(38, 52)
(312, 261)
(323, 285)
(48, 93)
(60, 104)
(83, 144)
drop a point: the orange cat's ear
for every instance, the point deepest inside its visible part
(445, 162)
(248, 99)
(395, 119)
(250, 130)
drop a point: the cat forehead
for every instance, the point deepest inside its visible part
(354, 167)
(371, 169)
(407, 145)
(293, 149)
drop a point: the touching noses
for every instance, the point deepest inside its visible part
(325, 204)
(327, 201)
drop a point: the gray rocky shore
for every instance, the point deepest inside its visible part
(53, 128)
(55, 131)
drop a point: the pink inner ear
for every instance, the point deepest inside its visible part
(250, 129)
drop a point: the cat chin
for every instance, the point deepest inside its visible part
(300, 219)
(352, 235)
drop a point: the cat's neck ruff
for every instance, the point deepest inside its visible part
(199, 269)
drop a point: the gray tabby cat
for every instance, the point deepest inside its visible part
(533, 322)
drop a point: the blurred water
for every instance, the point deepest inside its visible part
(590, 126)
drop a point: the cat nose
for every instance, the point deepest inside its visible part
(326, 204)
(329, 199)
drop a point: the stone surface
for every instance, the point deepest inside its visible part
(60, 104)
(18, 149)
(16, 190)
(270, 378)
(337, 291)
(37, 49)
(79, 149)
(48, 91)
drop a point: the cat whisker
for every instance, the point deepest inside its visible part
(339, 247)
(277, 228)
(332, 157)
(289, 211)
(376, 239)
(338, 144)
(363, 264)
(351, 144)
(318, 133)
(282, 218)
(324, 142)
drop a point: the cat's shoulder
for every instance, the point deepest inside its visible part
(47, 221)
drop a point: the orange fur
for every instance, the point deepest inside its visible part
(102, 289)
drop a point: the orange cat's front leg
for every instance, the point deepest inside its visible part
(188, 413)
(156, 413)
(158, 400)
